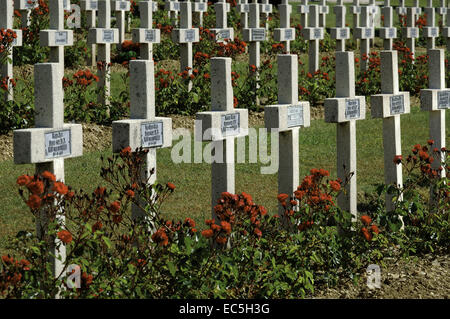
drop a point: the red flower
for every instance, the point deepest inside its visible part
(366, 220)
(366, 234)
(60, 188)
(24, 180)
(335, 186)
(36, 188)
(130, 193)
(282, 197)
(115, 207)
(65, 236)
(160, 237)
(398, 159)
(170, 186)
(375, 229)
(208, 233)
(49, 176)
(34, 202)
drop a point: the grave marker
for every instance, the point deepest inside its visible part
(356, 11)
(120, 7)
(303, 9)
(222, 31)
(285, 33)
(200, 6)
(436, 99)
(103, 36)
(365, 33)
(24, 7)
(344, 110)
(313, 33)
(146, 35)
(56, 37)
(287, 117)
(442, 11)
(212, 126)
(411, 32)
(323, 11)
(243, 8)
(143, 129)
(266, 9)
(446, 30)
(340, 32)
(431, 32)
(389, 105)
(254, 35)
(173, 7)
(91, 7)
(401, 9)
(51, 141)
(389, 32)
(185, 36)
(6, 22)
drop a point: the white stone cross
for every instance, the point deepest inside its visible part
(200, 6)
(340, 32)
(388, 33)
(344, 110)
(56, 37)
(222, 31)
(254, 35)
(446, 30)
(374, 14)
(6, 22)
(143, 129)
(285, 33)
(313, 33)
(303, 9)
(417, 8)
(431, 32)
(221, 126)
(436, 100)
(52, 140)
(365, 33)
(185, 36)
(91, 7)
(356, 11)
(442, 11)
(323, 11)
(286, 118)
(120, 7)
(401, 9)
(146, 35)
(24, 7)
(411, 32)
(243, 8)
(389, 105)
(266, 9)
(173, 7)
(103, 36)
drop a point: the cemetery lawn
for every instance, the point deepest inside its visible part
(191, 197)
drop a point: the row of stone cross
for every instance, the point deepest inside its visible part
(52, 141)
(313, 17)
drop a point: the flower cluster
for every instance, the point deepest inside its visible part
(369, 228)
(230, 48)
(84, 78)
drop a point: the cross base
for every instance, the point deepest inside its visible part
(434, 99)
(284, 34)
(387, 105)
(55, 38)
(103, 36)
(39, 145)
(286, 117)
(144, 133)
(218, 125)
(345, 109)
(146, 35)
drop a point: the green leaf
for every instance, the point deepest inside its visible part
(107, 241)
(172, 268)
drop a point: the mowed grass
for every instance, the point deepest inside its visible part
(192, 196)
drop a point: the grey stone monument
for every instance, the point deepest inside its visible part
(365, 33)
(390, 105)
(388, 33)
(91, 7)
(313, 34)
(285, 34)
(222, 31)
(51, 141)
(287, 117)
(340, 32)
(146, 35)
(143, 129)
(221, 126)
(345, 109)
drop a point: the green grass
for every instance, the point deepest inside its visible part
(192, 194)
